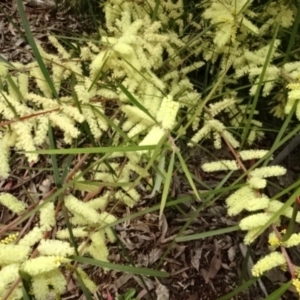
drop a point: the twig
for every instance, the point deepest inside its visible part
(284, 252)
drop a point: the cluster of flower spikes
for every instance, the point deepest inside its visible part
(129, 53)
(277, 259)
(234, 34)
(248, 198)
(43, 258)
(212, 125)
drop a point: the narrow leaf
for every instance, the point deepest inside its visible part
(167, 185)
(95, 150)
(83, 287)
(280, 291)
(135, 101)
(159, 176)
(204, 235)
(122, 268)
(35, 49)
(239, 289)
(259, 86)
(188, 175)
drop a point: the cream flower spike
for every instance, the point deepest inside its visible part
(267, 263)
(220, 165)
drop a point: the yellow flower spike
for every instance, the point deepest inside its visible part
(273, 240)
(296, 283)
(293, 86)
(267, 263)
(42, 264)
(12, 203)
(294, 240)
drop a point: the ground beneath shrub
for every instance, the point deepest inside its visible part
(203, 269)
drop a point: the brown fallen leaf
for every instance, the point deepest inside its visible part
(45, 185)
(214, 267)
(195, 261)
(194, 297)
(140, 227)
(154, 255)
(162, 292)
(231, 253)
(164, 227)
(204, 274)
(122, 280)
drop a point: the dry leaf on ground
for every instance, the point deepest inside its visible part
(162, 292)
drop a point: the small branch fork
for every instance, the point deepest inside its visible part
(45, 112)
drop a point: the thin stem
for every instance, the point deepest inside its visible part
(291, 226)
(285, 254)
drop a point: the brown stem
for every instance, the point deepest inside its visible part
(28, 117)
(285, 254)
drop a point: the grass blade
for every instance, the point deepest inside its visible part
(159, 176)
(122, 268)
(155, 12)
(259, 86)
(15, 88)
(26, 280)
(52, 143)
(35, 49)
(293, 35)
(96, 150)
(276, 294)
(276, 215)
(135, 102)
(26, 293)
(203, 235)
(238, 289)
(83, 287)
(7, 62)
(188, 175)
(167, 185)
